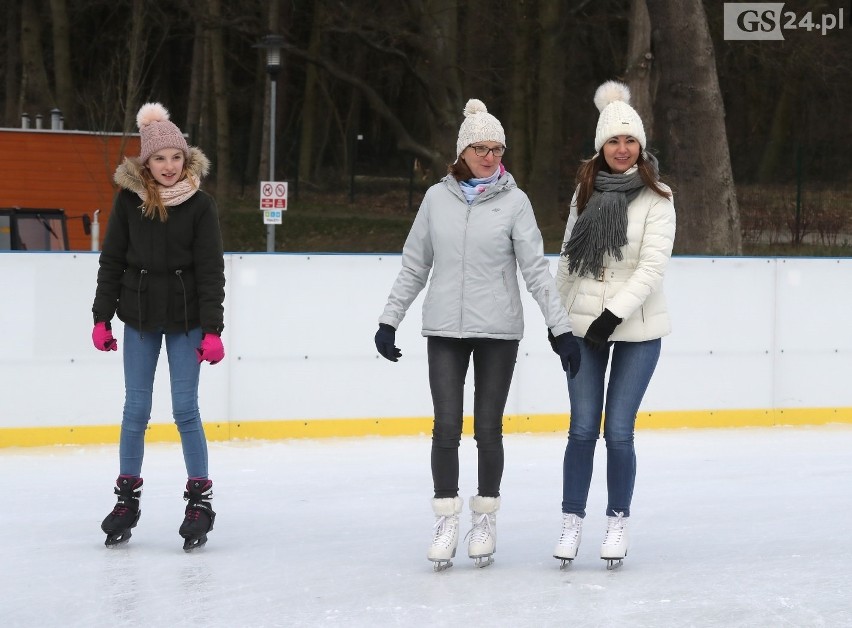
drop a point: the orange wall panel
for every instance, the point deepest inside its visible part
(68, 170)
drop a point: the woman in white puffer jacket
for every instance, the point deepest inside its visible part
(618, 241)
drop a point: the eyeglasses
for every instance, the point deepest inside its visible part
(482, 151)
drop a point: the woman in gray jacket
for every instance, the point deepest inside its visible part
(472, 232)
(618, 241)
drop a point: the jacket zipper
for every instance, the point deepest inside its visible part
(142, 273)
(179, 274)
(464, 261)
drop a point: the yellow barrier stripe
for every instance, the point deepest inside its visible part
(329, 428)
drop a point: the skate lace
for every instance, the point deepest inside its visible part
(192, 514)
(571, 526)
(445, 528)
(615, 529)
(119, 510)
(481, 530)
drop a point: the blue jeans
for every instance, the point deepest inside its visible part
(633, 364)
(141, 353)
(493, 365)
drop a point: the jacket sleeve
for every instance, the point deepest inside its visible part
(564, 280)
(209, 263)
(535, 269)
(417, 257)
(654, 254)
(111, 263)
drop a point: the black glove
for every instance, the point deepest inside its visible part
(569, 352)
(385, 339)
(601, 329)
(552, 340)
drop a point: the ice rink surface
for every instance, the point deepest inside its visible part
(743, 527)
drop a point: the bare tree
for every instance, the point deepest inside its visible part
(220, 98)
(690, 129)
(63, 79)
(310, 103)
(36, 97)
(11, 57)
(638, 74)
(136, 45)
(546, 161)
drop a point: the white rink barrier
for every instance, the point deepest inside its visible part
(756, 341)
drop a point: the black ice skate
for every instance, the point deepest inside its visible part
(199, 516)
(126, 513)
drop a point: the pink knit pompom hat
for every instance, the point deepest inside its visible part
(157, 131)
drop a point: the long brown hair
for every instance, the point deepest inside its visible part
(588, 172)
(153, 205)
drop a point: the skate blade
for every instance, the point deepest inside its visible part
(564, 562)
(613, 563)
(193, 544)
(482, 561)
(116, 539)
(441, 565)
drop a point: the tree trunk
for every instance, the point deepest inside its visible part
(519, 120)
(62, 61)
(543, 189)
(310, 103)
(638, 74)
(197, 88)
(35, 92)
(11, 58)
(778, 142)
(438, 64)
(690, 129)
(136, 50)
(220, 97)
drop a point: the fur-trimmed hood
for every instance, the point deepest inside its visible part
(128, 174)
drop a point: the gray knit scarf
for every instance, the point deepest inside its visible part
(602, 227)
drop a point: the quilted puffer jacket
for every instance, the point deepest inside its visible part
(632, 288)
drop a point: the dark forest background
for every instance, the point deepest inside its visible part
(753, 136)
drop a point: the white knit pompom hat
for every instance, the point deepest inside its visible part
(617, 116)
(157, 131)
(478, 126)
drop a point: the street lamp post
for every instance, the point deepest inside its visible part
(272, 44)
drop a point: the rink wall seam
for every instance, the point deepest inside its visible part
(344, 428)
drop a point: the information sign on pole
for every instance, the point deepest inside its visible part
(273, 201)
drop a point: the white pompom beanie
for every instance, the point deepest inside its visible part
(158, 132)
(478, 126)
(617, 116)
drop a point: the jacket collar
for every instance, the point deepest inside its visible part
(128, 175)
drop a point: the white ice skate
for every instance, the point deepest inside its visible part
(446, 532)
(614, 546)
(569, 540)
(483, 534)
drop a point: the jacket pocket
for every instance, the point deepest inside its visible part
(505, 297)
(133, 297)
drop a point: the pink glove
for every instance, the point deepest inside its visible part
(102, 338)
(211, 349)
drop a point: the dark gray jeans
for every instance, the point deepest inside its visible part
(493, 365)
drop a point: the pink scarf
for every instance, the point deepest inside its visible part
(178, 193)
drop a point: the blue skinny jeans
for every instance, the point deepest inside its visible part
(141, 353)
(632, 366)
